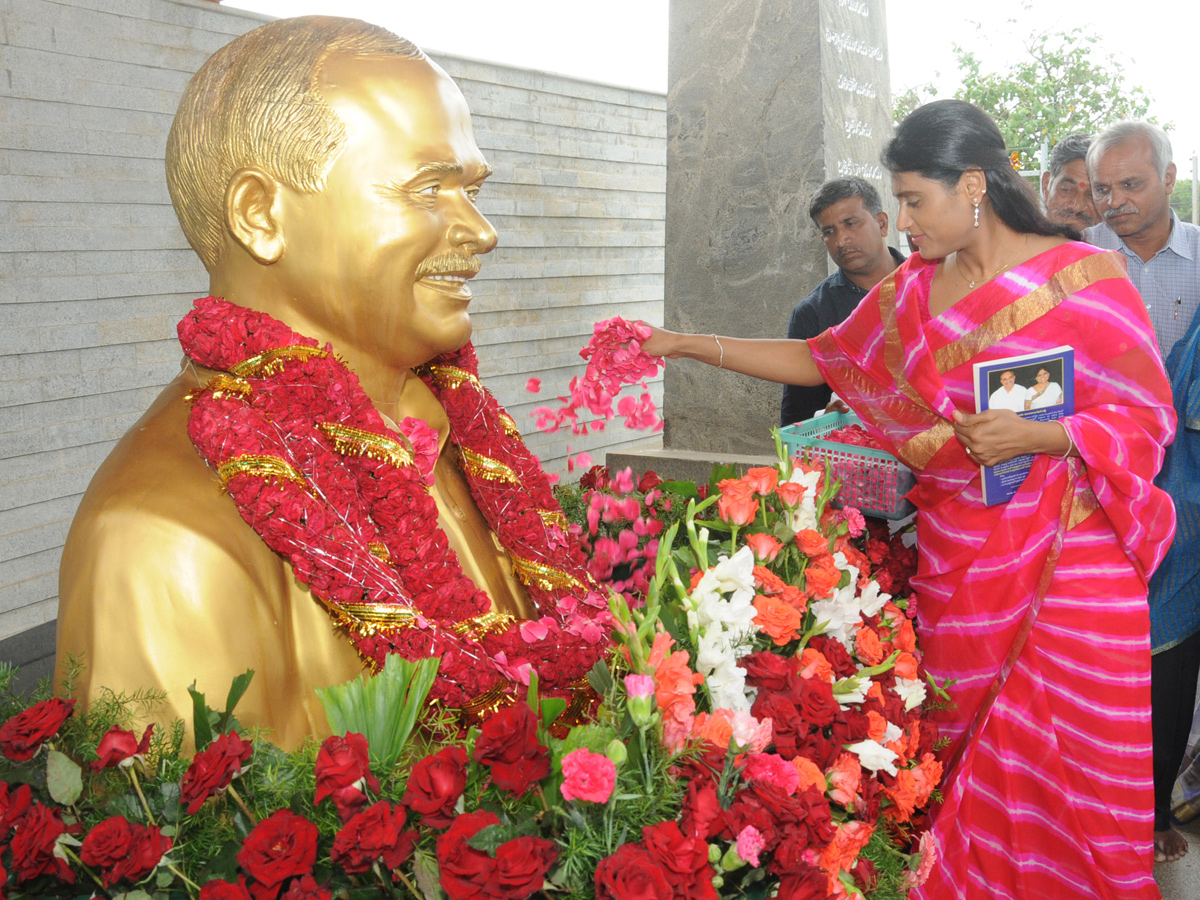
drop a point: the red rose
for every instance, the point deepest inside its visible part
(508, 744)
(223, 890)
(836, 655)
(33, 846)
(435, 785)
(521, 867)
(119, 850)
(864, 874)
(632, 874)
(849, 727)
(771, 672)
(701, 807)
(119, 745)
(13, 805)
(375, 833)
(23, 734)
(788, 728)
(279, 847)
(343, 769)
(649, 481)
(817, 703)
(808, 884)
(306, 888)
(464, 872)
(213, 768)
(685, 859)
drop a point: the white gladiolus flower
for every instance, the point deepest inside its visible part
(805, 515)
(911, 691)
(874, 756)
(872, 599)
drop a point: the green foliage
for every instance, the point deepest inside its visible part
(1063, 84)
(1181, 199)
(384, 708)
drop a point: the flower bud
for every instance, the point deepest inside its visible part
(718, 882)
(714, 853)
(616, 751)
(731, 862)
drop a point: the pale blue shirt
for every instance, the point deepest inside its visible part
(1169, 283)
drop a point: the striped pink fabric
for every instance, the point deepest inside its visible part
(1051, 794)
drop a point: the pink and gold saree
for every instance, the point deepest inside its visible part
(1037, 607)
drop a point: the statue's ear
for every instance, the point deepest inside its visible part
(253, 201)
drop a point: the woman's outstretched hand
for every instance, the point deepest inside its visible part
(660, 342)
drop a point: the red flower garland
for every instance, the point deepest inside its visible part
(327, 484)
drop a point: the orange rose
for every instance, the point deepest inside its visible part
(675, 680)
(926, 776)
(813, 664)
(763, 479)
(810, 775)
(821, 577)
(737, 503)
(875, 691)
(844, 776)
(868, 647)
(878, 725)
(790, 492)
(812, 543)
(904, 638)
(906, 666)
(777, 619)
(765, 547)
(714, 728)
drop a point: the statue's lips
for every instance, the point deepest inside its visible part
(451, 284)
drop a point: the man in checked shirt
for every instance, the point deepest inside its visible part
(1132, 177)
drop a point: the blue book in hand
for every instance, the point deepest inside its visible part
(1038, 386)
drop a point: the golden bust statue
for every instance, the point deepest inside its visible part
(326, 172)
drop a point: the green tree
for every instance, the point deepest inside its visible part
(1181, 199)
(1063, 84)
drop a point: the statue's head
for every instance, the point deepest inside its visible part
(328, 165)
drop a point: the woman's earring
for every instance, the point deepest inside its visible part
(977, 213)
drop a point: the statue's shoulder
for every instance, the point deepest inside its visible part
(155, 495)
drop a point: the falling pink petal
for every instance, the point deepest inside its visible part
(534, 385)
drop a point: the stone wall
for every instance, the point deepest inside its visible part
(94, 272)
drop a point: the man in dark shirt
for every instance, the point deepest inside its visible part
(854, 228)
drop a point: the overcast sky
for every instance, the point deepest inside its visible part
(624, 42)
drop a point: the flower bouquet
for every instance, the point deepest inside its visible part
(761, 734)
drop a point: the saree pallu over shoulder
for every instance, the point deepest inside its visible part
(1036, 607)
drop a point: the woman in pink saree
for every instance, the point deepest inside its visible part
(1036, 607)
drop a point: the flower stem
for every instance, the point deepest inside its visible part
(386, 883)
(408, 884)
(70, 854)
(242, 804)
(542, 796)
(179, 874)
(138, 788)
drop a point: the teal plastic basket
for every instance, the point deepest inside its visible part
(873, 481)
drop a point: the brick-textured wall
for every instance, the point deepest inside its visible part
(94, 272)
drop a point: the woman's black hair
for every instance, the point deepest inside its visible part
(943, 139)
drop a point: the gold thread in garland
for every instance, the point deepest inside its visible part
(453, 377)
(380, 552)
(551, 518)
(576, 712)
(487, 623)
(494, 698)
(270, 362)
(546, 577)
(349, 441)
(259, 467)
(485, 467)
(231, 386)
(510, 427)
(370, 618)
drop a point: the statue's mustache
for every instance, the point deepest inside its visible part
(449, 264)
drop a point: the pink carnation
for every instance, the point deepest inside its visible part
(750, 843)
(773, 769)
(588, 776)
(639, 685)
